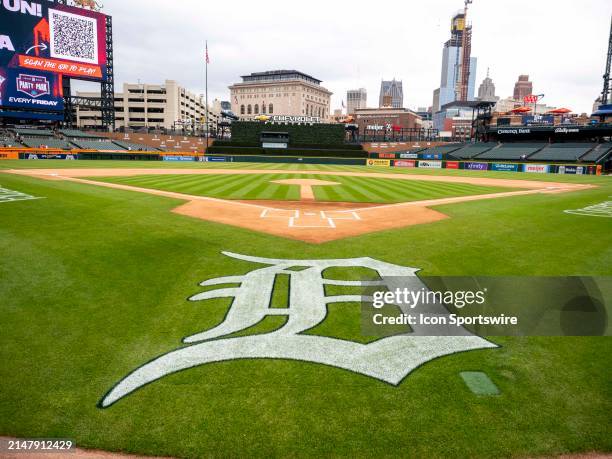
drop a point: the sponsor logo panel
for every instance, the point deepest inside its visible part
(379, 162)
(501, 167)
(571, 170)
(404, 163)
(536, 168)
(452, 164)
(31, 89)
(178, 158)
(430, 164)
(476, 166)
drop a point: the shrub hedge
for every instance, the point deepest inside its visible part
(333, 153)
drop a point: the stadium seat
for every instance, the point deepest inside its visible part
(563, 152)
(97, 145)
(445, 149)
(598, 153)
(512, 151)
(76, 134)
(31, 132)
(134, 146)
(35, 142)
(472, 150)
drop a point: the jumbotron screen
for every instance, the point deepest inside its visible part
(42, 42)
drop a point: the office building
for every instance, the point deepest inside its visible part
(280, 92)
(355, 99)
(391, 94)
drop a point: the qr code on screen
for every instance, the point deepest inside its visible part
(73, 37)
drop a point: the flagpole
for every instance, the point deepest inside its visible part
(206, 90)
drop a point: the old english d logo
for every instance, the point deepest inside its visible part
(388, 359)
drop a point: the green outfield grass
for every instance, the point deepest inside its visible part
(50, 164)
(350, 189)
(94, 282)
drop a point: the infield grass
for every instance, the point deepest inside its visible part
(94, 282)
(260, 186)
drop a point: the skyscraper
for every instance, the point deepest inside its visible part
(523, 87)
(486, 91)
(391, 94)
(356, 98)
(451, 65)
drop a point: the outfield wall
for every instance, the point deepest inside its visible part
(414, 162)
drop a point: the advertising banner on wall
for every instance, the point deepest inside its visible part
(53, 38)
(408, 155)
(30, 89)
(542, 120)
(571, 170)
(476, 166)
(178, 158)
(430, 164)
(404, 163)
(452, 164)
(432, 156)
(536, 168)
(379, 162)
(502, 167)
(36, 156)
(214, 159)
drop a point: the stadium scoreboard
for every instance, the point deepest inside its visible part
(42, 42)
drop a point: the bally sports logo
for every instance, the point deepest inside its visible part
(33, 86)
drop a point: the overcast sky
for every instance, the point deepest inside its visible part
(561, 44)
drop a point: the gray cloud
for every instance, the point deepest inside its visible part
(561, 44)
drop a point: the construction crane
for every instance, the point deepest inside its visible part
(605, 94)
(89, 4)
(463, 64)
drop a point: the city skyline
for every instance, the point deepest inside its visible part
(506, 39)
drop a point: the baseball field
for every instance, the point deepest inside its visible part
(119, 282)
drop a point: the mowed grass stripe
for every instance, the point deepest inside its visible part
(249, 189)
(232, 184)
(363, 192)
(380, 188)
(259, 186)
(186, 183)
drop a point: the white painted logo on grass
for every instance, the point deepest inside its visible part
(598, 210)
(388, 359)
(7, 195)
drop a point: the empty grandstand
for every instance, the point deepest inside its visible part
(563, 152)
(512, 151)
(134, 146)
(445, 149)
(32, 132)
(598, 154)
(98, 145)
(76, 134)
(41, 142)
(472, 150)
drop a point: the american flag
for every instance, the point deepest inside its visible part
(207, 58)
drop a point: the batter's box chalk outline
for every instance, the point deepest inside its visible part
(279, 213)
(340, 215)
(292, 222)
